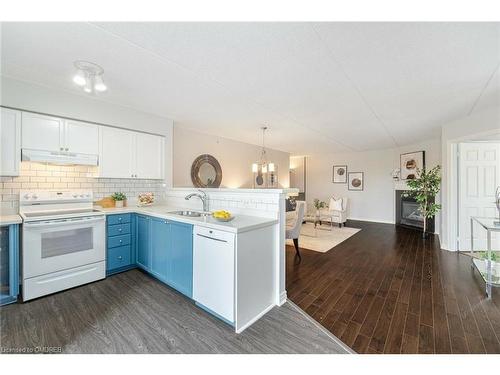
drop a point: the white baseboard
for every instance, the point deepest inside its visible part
(253, 320)
(283, 298)
(372, 220)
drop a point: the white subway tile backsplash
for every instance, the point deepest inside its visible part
(47, 176)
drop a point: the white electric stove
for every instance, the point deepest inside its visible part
(63, 241)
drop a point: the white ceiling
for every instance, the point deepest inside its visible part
(320, 87)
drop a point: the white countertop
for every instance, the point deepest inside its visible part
(239, 190)
(10, 219)
(240, 223)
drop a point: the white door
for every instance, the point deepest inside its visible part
(41, 132)
(115, 152)
(479, 177)
(149, 156)
(81, 137)
(10, 142)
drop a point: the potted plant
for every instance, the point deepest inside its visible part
(424, 189)
(319, 205)
(119, 198)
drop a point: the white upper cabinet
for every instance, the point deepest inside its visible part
(129, 154)
(10, 142)
(47, 133)
(40, 132)
(115, 153)
(81, 137)
(149, 156)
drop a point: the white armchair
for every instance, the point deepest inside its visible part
(336, 212)
(293, 225)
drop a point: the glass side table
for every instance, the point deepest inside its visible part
(312, 218)
(488, 269)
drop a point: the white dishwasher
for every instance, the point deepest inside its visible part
(214, 270)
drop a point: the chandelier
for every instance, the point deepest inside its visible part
(264, 172)
(89, 77)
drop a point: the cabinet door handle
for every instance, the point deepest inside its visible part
(120, 257)
(120, 241)
(120, 229)
(119, 219)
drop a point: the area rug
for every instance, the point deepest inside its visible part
(322, 239)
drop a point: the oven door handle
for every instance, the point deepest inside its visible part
(62, 222)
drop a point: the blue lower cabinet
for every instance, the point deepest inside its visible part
(163, 248)
(120, 255)
(9, 263)
(160, 236)
(143, 241)
(180, 258)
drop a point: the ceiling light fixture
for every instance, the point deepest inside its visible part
(89, 77)
(265, 173)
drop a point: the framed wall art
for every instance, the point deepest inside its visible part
(410, 164)
(356, 181)
(339, 174)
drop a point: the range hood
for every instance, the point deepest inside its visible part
(54, 157)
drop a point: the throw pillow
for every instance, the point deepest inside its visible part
(335, 204)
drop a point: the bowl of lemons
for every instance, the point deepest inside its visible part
(222, 215)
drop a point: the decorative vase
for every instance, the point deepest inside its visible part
(118, 204)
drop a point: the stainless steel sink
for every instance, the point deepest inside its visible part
(187, 213)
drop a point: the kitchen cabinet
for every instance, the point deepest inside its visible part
(10, 142)
(170, 252)
(130, 154)
(180, 258)
(47, 133)
(143, 241)
(40, 132)
(149, 156)
(9, 263)
(115, 153)
(120, 245)
(160, 238)
(81, 137)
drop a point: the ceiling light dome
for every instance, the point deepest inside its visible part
(79, 78)
(99, 84)
(89, 77)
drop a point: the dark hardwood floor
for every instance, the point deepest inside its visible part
(385, 290)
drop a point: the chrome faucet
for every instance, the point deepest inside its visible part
(203, 197)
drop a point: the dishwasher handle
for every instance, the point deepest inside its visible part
(211, 238)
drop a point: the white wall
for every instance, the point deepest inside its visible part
(235, 158)
(377, 201)
(27, 96)
(481, 125)
(297, 172)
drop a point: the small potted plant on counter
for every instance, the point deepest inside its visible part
(119, 198)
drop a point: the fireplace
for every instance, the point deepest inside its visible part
(408, 214)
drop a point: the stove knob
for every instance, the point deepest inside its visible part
(81, 195)
(75, 195)
(26, 196)
(35, 196)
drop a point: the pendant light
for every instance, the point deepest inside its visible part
(264, 172)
